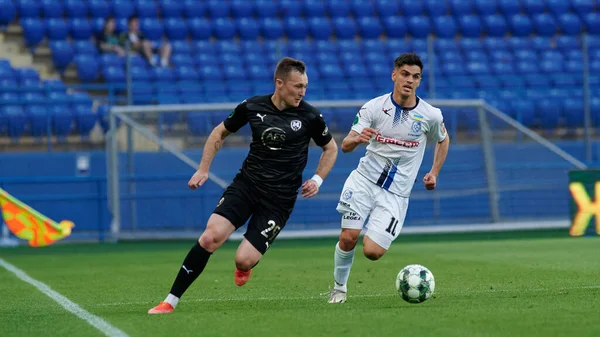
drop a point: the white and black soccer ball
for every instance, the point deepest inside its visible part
(415, 283)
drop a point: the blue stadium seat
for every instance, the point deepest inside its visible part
(194, 9)
(62, 54)
(33, 31)
(320, 28)
(592, 22)
(54, 85)
(387, 8)
(582, 7)
(573, 111)
(23, 74)
(171, 8)
(533, 7)
(87, 67)
(181, 47)
(98, 8)
(52, 9)
(113, 74)
(146, 9)
(495, 43)
(436, 8)
(85, 119)
(519, 44)
(211, 74)
(338, 8)
(485, 7)
(541, 43)
(520, 25)
(85, 47)
(444, 26)
(501, 56)
(175, 29)
(152, 28)
(224, 28)
(57, 29)
(362, 8)
(97, 25)
(217, 8)
(470, 44)
(114, 60)
(265, 8)
(242, 9)
(412, 8)
(38, 119)
(182, 60)
(544, 24)
(80, 29)
(224, 47)
(470, 26)
(203, 46)
(295, 28)
(558, 6)
(15, 120)
(395, 27)
(200, 28)
(271, 28)
(569, 23)
(331, 71)
(8, 12)
(525, 111)
(418, 26)
(509, 8)
(453, 68)
(248, 29)
(548, 111)
(314, 8)
(186, 73)
(461, 7)
(28, 9)
(344, 28)
(290, 8)
(477, 68)
(494, 25)
(122, 8)
(369, 27)
(160, 74)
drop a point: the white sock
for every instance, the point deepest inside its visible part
(343, 262)
(172, 300)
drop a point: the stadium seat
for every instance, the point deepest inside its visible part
(344, 28)
(411, 8)
(369, 27)
(52, 9)
(224, 28)
(62, 54)
(470, 26)
(557, 7)
(592, 22)
(171, 8)
(8, 12)
(33, 31)
(387, 8)
(98, 8)
(57, 29)
(395, 27)
(265, 8)
(544, 24)
(362, 8)
(87, 67)
(418, 26)
(194, 9)
(485, 7)
(533, 7)
(320, 28)
(175, 29)
(15, 120)
(494, 25)
(520, 25)
(113, 74)
(434, 8)
(569, 23)
(582, 7)
(290, 8)
(146, 9)
(122, 8)
(152, 28)
(80, 29)
(200, 28)
(509, 8)
(28, 9)
(247, 29)
(38, 119)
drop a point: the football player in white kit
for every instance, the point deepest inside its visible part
(395, 127)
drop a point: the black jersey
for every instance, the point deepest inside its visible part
(280, 140)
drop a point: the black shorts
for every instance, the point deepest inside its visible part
(268, 214)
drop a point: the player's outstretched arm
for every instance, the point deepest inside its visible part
(213, 144)
(353, 139)
(311, 187)
(439, 157)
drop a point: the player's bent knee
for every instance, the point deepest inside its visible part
(348, 239)
(374, 255)
(372, 250)
(245, 263)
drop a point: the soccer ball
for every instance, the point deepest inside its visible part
(415, 283)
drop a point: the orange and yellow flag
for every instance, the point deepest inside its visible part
(29, 224)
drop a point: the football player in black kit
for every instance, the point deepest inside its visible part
(266, 187)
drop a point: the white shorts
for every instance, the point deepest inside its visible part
(361, 198)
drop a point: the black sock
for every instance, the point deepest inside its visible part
(192, 267)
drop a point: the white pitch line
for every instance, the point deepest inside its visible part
(106, 328)
(300, 298)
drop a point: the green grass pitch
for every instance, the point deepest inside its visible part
(503, 284)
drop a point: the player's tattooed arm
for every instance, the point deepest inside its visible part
(213, 144)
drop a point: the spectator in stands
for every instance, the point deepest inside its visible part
(142, 45)
(108, 41)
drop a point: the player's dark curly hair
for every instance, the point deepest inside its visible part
(287, 65)
(410, 59)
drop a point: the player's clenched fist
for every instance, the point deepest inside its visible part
(366, 135)
(197, 179)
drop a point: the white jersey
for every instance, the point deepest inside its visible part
(395, 154)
